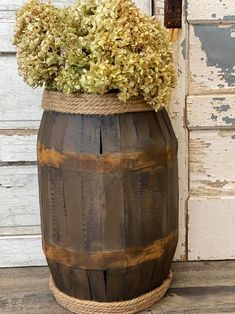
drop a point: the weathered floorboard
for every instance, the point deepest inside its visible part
(199, 287)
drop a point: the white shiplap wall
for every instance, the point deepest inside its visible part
(20, 113)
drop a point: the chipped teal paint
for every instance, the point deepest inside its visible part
(219, 47)
(229, 17)
(213, 15)
(222, 108)
(183, 46)
(214, 117)
(219, 98)
(229, 120)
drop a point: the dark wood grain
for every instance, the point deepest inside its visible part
(97, 283)
(108, 192)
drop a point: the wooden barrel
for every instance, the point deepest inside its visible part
(109, 202)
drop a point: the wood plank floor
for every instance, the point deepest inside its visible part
(198, 287)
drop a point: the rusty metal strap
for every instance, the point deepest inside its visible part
(110, 259)
(104, 163)
(173, 13)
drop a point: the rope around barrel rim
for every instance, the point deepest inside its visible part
(132, 306)
(91, 103)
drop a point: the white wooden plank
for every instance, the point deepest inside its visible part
(217, 111)
(20, 230)
(144, 5)
(16, 4)
(7, 21)
(211, 228)
(17, 251)
(212, 160)
(17, 147)
(158, 10)
(211, 59)
(19, 125)
(19, 196)
(210, 10)
(19, 104)
(177, 114)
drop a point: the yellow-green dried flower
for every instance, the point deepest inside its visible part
(95, 46)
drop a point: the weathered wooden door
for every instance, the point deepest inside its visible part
(211, 122)
(205, 126)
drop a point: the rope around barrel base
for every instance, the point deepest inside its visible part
(136, 305)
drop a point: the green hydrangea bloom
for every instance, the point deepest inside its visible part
(95, 46)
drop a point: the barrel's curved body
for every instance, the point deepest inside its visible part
(109, 202)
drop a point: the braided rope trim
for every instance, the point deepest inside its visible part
(136, 305)
(91, 103)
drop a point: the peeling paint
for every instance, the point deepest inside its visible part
(219, 45)
(214, 117)
(213, 15)
(222, 108)
(215, 184)
(233, 137)
(183, 46)
(179, 71)
(186, 5)
(229, 120)
(229, 17)
(219, 98)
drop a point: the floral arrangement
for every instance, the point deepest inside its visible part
(95, 46)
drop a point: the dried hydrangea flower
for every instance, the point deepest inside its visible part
(95, 46)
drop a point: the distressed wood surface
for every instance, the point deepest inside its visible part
(211, 59)
(19, 104)
(144, 5)
(211, 112)
(17, 251)
(211, 119)
(197, 287)
(20, 230)
(212, 157)
(19, 196)
(211, 228)
(7, 21)
(17, 147)
(158, 10)
(210, 11)
(177, 114)
(16, 4)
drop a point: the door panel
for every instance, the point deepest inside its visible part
(211, 121)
